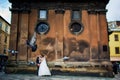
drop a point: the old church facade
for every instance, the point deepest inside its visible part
(64, 30)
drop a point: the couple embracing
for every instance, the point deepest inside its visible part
(42, 68)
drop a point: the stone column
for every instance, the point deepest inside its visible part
(14, 34)
(23, 36)
(93, 24)
(59, 32)
(104, 35)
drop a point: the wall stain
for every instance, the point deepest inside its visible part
(94, 52)
(77, 50)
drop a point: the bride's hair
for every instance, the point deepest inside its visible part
(42, 55)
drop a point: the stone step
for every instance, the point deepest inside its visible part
(61, 71)
(63, 67)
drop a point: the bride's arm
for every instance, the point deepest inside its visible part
(42, 58)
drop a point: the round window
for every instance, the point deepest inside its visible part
(76, 28)
(42, 28)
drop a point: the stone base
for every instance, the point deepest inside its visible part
(82, 71)
(66, 68)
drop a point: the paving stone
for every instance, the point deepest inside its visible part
(4, 76)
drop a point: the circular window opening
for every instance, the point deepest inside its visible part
(42, 28)
(76, 28)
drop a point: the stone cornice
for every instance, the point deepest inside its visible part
(81, 1)
(25, 6)
(19, 10)
(94, 11)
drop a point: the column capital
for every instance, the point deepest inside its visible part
(95, 11)
(59, 11)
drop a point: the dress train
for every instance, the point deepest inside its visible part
(43, 68)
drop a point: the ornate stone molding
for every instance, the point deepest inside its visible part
(82, 1)
(20, 7)
(81, 4)
(20, 10)
(95, 11)
(59, 11)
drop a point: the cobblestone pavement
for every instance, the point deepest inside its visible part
(53, 77)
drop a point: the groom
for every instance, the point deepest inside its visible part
(38, 61)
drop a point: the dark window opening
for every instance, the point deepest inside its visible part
(43, 14)
(0, 25)
(76, 28)
(76, 15)
(117, 51)
(5, 39)
(116, 37)
(42, 28)
(105, 48)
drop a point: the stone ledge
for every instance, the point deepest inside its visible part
(102, 69)
(62, 71)
(78, 64)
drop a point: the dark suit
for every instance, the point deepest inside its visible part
(37, 63)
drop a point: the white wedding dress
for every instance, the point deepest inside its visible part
(43, 68)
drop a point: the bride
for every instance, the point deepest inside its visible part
(43, 68)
